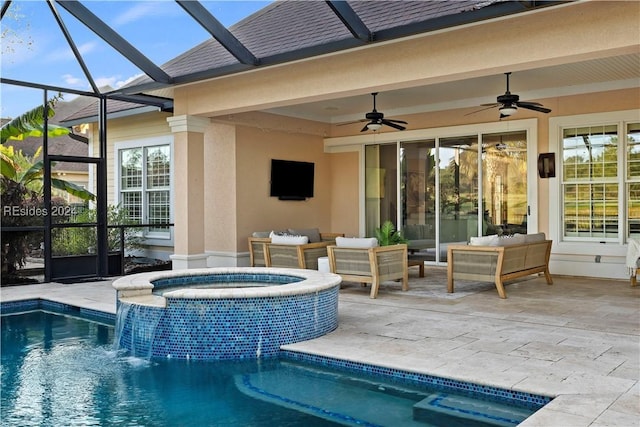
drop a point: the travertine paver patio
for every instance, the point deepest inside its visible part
(578, 340)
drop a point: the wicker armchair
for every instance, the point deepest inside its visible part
(295, 256)
(370, 265)
(263, 253)
(258, 251)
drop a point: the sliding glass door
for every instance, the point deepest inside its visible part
(447, 190)
(418, 195)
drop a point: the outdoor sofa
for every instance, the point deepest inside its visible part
(291, 248)
(497, 259)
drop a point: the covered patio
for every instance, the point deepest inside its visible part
(576, 340)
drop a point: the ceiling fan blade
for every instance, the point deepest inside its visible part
(534, 107)
(525, 103)
(493, 104)
(396, 121)
(393, 125)
(351, 123)
(365, 128)
(483, 109)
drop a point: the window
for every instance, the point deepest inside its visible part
(593, 178)
(633, 179)
(145, 186)
(590, 181)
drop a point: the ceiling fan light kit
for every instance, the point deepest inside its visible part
(510, 102)
(376, 119)
(508, 110)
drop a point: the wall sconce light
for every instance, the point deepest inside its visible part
(547, 165)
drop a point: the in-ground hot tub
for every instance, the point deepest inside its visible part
(223, 313)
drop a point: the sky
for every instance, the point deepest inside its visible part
(34, 48)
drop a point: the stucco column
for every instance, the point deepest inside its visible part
(188, 186)
(220, 201)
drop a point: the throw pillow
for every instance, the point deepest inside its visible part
(289, 240)
(491, 240)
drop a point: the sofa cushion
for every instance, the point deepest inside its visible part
(492, 240)
(288, 239)
(536, 237)
(511, 240)
(263, 234)
(312, 233)
(356, 242)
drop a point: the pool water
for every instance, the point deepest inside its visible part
(61, 370)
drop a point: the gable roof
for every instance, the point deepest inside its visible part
(288, 30)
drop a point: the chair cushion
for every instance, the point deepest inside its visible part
(312, 233)
(356, 242)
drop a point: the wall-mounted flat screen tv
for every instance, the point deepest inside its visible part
(291, 180)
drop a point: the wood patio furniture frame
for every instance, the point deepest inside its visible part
(498, 263)
(370, 265)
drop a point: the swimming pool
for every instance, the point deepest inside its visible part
(62, 370)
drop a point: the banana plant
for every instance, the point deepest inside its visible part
(21, 169)
(31, 124)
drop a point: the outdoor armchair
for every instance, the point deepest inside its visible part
(373, 264)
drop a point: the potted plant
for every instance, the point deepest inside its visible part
(388, 235)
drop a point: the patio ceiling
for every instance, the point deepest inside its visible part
(615, 72)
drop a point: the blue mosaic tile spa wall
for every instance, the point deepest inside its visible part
(218, 329)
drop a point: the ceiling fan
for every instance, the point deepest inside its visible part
(510, 102)
(376, 119)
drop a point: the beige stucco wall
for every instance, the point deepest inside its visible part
(256, 210)
(345, 185)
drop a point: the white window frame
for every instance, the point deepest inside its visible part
(587, 246)
(152, 238)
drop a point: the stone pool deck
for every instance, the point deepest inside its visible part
(578, 340)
